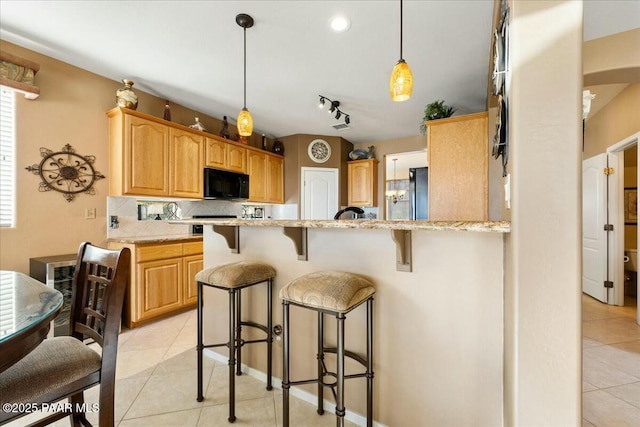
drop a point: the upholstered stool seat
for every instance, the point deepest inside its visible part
(329, 290)
(233, 278)
(236, 275)
(336, 293)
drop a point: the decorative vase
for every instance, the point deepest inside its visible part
(278, 148)
(126, 97)
(167, 111)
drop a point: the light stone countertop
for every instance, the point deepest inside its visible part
(481, 226)
(155, 239)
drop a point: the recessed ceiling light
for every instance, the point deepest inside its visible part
(340, 23)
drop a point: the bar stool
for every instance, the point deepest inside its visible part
(233, 278)
(335, 293)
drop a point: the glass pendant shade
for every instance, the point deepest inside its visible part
(245, 123)
(401, 82)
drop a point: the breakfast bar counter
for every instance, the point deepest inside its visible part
(438, 310)
(362, 224)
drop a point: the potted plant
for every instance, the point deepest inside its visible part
(435, 110)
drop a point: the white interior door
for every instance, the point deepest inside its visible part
(594, 236)
(319, 193)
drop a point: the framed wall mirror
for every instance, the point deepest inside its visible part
(406, 195)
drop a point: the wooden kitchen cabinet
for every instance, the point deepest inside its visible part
(257, 169)
(458, 168)
(149, 156)
(363, 182)
(138, 156)
(236, 158)
(275, 179)
(223, 155)
(186, 165)
(162, 279)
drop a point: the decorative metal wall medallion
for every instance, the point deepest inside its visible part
(66, 172)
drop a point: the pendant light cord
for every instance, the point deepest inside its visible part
(401, 30)
(245, 67)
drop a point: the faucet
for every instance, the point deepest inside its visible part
(349, 208)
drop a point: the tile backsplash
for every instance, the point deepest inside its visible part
(126, 209)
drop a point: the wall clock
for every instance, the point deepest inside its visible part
(66, 171)
(319, 150)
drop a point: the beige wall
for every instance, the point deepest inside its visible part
(617, 120)
(295, 148)
(612, 59)
(70, 110)
(542, 253)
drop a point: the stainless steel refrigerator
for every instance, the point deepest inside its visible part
(418, 193)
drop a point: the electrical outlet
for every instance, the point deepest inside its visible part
(90, 213)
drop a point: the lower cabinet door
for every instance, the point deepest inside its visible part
(159, 287)
(192, 265)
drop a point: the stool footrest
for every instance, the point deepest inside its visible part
(349, 354)
(263, 328)
(315, 380)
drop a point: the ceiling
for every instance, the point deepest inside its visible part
(190, 52)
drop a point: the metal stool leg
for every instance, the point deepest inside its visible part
(199, 346)
(232, 355)
(269, 332)
(320, 362)
(370, 362)
(285, 363)
(239, 332)
(340, 411)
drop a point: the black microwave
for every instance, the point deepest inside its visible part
(225, 185)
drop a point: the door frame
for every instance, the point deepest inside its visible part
(616, 215)
(303, 171)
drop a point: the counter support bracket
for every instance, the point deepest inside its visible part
(403, 249)
(231, 234)
(299, 237)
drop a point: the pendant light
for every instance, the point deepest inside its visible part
(401, 82)
(245, 121)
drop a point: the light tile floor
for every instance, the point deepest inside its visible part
(611, 364)
(156, 381)
(156, 385)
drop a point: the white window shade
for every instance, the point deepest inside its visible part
(7, 157)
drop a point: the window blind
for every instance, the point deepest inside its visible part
(7, 157)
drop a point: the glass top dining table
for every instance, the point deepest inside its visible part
(27, 307)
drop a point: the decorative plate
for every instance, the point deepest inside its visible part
(319, 150)
(498, 62)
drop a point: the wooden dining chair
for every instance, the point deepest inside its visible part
(63, 367)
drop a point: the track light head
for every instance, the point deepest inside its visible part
(334, 108)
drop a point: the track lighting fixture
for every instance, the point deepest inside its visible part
(334, 107)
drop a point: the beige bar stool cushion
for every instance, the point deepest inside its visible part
(330, 290)
(236, 274)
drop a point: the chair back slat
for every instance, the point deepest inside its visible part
(100, 280)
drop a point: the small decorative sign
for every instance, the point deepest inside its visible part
(66, 172)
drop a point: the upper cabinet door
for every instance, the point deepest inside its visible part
(236, 158)
(363, 182)
(257, 168)
(146, 157)
(215, 153)
(275, 179)
(187, 153)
